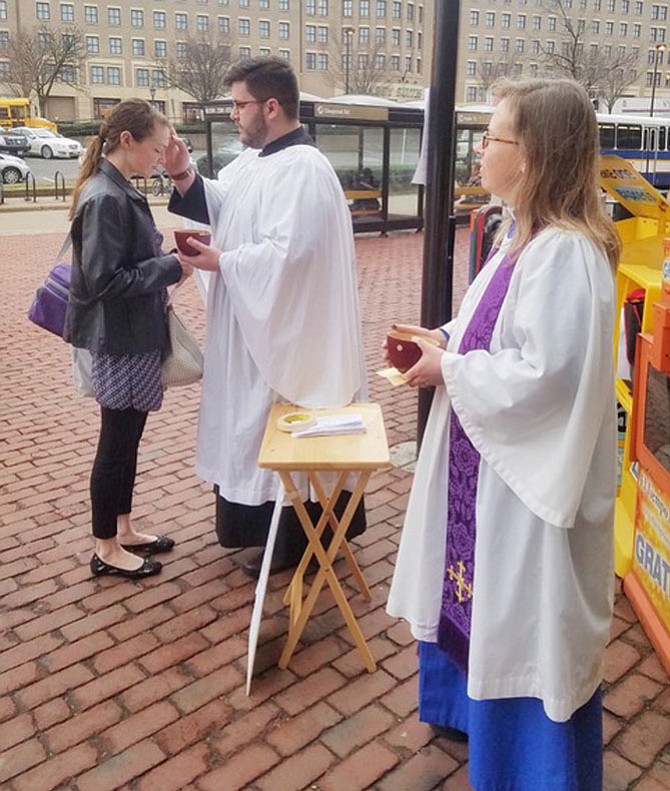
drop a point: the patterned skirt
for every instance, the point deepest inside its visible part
(128, 381)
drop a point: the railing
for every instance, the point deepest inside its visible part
(30, 180)
(59, 185)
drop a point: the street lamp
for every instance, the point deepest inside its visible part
(152, 91)
(348, 32)
(658, 49)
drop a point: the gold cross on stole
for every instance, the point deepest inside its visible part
(463, 590)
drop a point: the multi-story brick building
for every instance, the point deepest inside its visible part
(325, 40)
(513, 35)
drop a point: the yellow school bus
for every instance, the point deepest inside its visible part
(18, 111)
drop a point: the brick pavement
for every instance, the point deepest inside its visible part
(110, 684)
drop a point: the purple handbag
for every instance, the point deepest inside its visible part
(50, 303)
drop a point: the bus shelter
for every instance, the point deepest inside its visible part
(373, 149)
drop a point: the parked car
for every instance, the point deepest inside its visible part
(13, 142)
(13, 169)
(48, 144)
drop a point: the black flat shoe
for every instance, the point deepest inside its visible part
(453, 734)
(160, 544)
(147, 569)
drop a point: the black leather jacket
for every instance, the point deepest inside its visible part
(117, 288)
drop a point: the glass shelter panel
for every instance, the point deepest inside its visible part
(405, 145)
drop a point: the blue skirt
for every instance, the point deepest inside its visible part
(512, 744)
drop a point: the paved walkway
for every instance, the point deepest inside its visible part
(110, 684)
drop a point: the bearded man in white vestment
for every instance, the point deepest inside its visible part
(283, 320)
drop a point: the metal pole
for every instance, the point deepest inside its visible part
(657, 49)
(347, 33)
(437, 285)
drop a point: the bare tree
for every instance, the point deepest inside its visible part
(494, 67)
(41, 57)
(619, 75)
(360, 68)
(572, 58)
(198, 67)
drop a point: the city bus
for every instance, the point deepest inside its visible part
(18, 111)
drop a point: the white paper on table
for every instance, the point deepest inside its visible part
(261, 585)
(328, 425)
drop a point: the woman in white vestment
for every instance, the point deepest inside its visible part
(505, 568)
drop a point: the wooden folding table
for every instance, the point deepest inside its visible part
(356, 455)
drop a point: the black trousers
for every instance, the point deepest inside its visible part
(114, 468)
(248, 525)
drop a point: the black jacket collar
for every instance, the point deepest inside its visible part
(298, 137)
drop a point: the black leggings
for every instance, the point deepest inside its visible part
(113, 473)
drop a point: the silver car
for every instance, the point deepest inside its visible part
(13, 169)
(47, 144)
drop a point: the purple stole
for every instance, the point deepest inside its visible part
(453, 636)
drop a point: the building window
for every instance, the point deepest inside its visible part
(159, 20)
(609, 28)
(310, 34)
(284, 5)
(472, 43)
(224, 24)
(91, 14)
(471, 94)
(506, 20)
(114, 17)
(264, 4)
(284, 30)
(142, 78)
(322, 61)
(551, 23)
(265, 52)
(504, 45)
(3, 9)
(180, 50)
(115, 47)
(520, 42)
(245, 52)
(322, 34)
(537, 23)
(92, 44)
(409, 39)
(323, 8)
(97, 75)
(181, 21)
(472, 68)
(534, 47)
(310, 61)
(488, 44)
(490, 19)
(136, 17)
(380, 35)
(244, 3)
(137, 45)
(113, 75)
(363, 35)
(364, 8)
(42, 11)
(285, 53)
(595, 26)
(310, 7)
(395, 37)
(521, 22)
(474, 18)
(264, 28)
(160, 48)
(202, 23)
(380, 61)
(244, 27)
(66, 12)
(396, 10)
(395, 62)
(637, 31)
(381, 9)
(623, 29)
(363, 60)
(348, 8)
